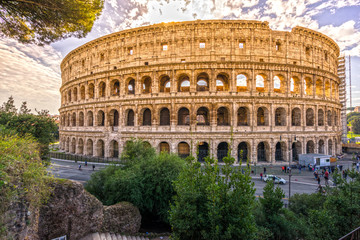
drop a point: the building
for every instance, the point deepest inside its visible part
(342, 96)
(218, 84)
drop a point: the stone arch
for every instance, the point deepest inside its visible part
(335, 118)
(241, 83)
(263, 152)
(321, 148)
(329, 118)
(146, 84)
(131, 86)
(330, 147)
(73, 145)
(75, 93)
(202, 82)
(260, 83)
(223, 116)
(73, 119)
(114, 117)
(80, 146)
(100, 118)
(89, 147)
(146, 117)
(102, 89)
(68, 122)
(91, 91)
(296, 117)
(280, 116)
(69, 96)
(203, 151)
(130, 117)
(90, 118)
(295, 85)
(296, 149)
(327, 89)
(320, 117)
(184, 83)
(165, 83)
(243, 152)
(183, 149)
(280, 151)
(164, 147)
(114, 149)
(222, 82)
(100, 148)
(308, 86)
(279, 84)
(115, 87)
(319, 88)
(310, 118)
(164, 117)
(222, 150)
(333, 90)
(243, 116)
(203, 116)
(67, 144)
(262, 116)
(310, 147)
(81, 119)
(82, 92)
(183, 116)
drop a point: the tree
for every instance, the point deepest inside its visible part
(46, 21)
(211, 203)
(9, 106)
(355, 124)
(24, 109)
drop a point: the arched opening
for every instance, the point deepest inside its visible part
(69, 96)
(335, 118)
(73, 120)
(164, 117)
(262, 152)
(280, 117)
(82, 92)
(310, 147)
(89, 147)
(279, 84)
(114, 149)
(100, 118)
(329, 118)
(147, 85)
(164, 147)
(165, 84)
(80, 146)
(203, 149)
(131, 86)
(91, 91)
(68, 122)
(184, 116)
(102, 89)
(146, 121)
(202, 82)
(309, 117)
(333, 91)
(90, 118)
(262, 117)
(115, 88)
(202, 117)
(73, 145)
(308, 86)
(223, 117)
(243, 152)
(130, 118)
(243, 116)
(327, 89)
(146, 144)
(81, 119)
(184, 84)
(260, 83)
(67, 145)
(330, 147)
(75, 94)
(296, 150)
(241, 83)
(114, 118)
(296, 117)
(183, 149)
(100, 148)
(222, 83)
(222, 151)
(321, 146)
(295, 85)
(319, 88)
(280, 150)
(320, 117)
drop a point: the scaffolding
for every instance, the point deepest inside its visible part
(342, 95)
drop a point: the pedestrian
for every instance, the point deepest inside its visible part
(318, 179)
(85, 163)
(315, 175)
(309, 167)
(261, 175)
(357, 166)
(299, 168)
(283, 169)
(343, 174)
(326, 177)
(93, 167)
(79, 166)
(264, 170)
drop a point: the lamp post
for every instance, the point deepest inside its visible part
(290, 161)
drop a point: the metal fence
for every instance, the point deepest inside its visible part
(82, 158)
(352, 235)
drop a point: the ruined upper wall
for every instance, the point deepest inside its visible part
(222, 38)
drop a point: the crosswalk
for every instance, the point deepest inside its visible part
(112, 236)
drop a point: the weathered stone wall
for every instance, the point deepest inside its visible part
(223, 66)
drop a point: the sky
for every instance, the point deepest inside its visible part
(32, 73)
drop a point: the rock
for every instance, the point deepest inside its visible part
(122, 217)
(70, 211)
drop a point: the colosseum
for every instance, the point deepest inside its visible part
(203, 87)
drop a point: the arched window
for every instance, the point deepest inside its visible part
(330, 148)
(89, 147)
(321, 146)
(90, 118)
(262, 152)
(147, 85)
(184, 116)
(82, 92)
(327, 89)
(222, 151)
(165, 84)
(320, 117)
(335, 118)
(296, 150)
(164, 117)
(260, 83)
(115, 88)
(73, 145)
(309, 117)
(262, 116)
(277, 84)
(243, 116)
(184, 84)
(279, 151)
(130, 118)
(73, 120)
(131, 86)
(164, 147)
(280, 117)
(329, 118)
(100, 148)
(222, 83)
(319, 88)
(80, 146)
(308, 86)
(295, 85)
(310, 147)
(241, 83)
(202, 82)
(296, 117)
(146, 117)
(101, 118)
(81, 119)
(75, 94)
(114, 118)
(243, 152)
(183, 149)
(223, 117)
(202, 116)
(69, 96)
(114, 149)
(203, 151)
(91, 91)
(102, 89)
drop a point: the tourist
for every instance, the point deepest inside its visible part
(318, 179)
(79, 166)
(261, 175)
(357, 166)
(93, 167)
(85, 163)
(264, 170)
(326, 176)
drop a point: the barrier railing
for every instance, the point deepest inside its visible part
(82, 158)
(352, 235)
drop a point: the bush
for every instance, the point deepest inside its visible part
(355, 126)
(145, 181)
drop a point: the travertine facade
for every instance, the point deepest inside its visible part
(269, 94)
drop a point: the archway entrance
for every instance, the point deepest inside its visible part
(203, 151)
(222, 151)
(242, 152)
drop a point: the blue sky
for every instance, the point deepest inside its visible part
(32, 73)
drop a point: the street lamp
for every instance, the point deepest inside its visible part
(290, 161)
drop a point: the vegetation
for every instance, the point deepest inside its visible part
(352, 116)
(46, 21)
(23, 177)
(213, 204)
(41, 126)
(356, 125)
(145, 180)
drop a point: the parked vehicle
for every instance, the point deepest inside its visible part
(274, 178)
(320, 161)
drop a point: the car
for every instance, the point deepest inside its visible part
(274, 178)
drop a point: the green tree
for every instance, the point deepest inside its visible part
(9, 106)
(24, 109)
(211, 203)
(355, 124)
(46, 21)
